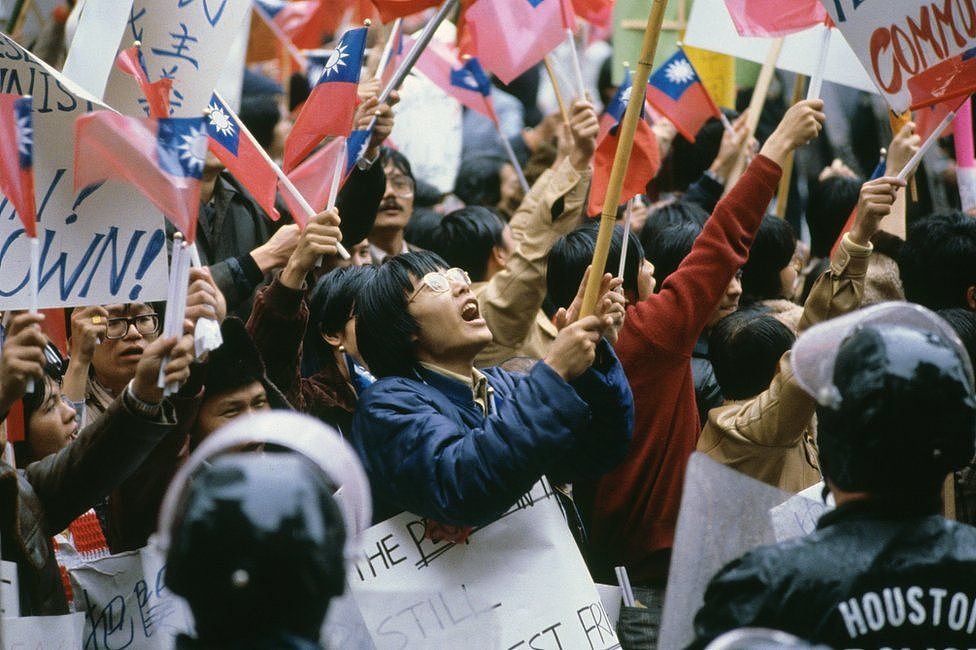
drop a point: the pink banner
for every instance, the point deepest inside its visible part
(964, 135)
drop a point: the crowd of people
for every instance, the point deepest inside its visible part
(452, 353)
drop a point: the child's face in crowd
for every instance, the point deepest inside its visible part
(397, 204)
(730, 300)
(116, 357)
(52, 426)
(451, 326)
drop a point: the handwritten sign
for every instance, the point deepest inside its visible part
(126, 604)
(518, 583)
(103, 245)
(43, 632)
(187, 41)
(9, 589)
(796, 517)
(917, 52)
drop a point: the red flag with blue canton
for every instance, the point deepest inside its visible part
(392, 9)
(305, 22)
(676, 91)
(331, 105)
(466, 82)
(510, 37)
(156, 93)
(313, 178)
(17, 158)
(645, 157)
(240, 156)
(163, 159)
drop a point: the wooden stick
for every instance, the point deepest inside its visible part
(624, 146)
(555, 88)
(949, 496)
(21, 17)
(628, 214)
(783, 195)
(755, 107)
(388, 49)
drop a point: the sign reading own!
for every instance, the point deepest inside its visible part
(516, 584)
(918, 52)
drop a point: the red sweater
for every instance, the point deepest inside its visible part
(635, 506)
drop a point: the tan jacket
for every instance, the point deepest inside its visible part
(511, 301)
(772, 437)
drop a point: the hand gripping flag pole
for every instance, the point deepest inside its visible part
(627, 129)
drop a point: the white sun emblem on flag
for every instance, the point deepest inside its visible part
(193, 150)
(680, 72)
(221, 120)
(625, 98)
(362, 149)
(25, 135)
(336, 62)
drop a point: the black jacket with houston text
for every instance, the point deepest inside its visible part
(868, 577)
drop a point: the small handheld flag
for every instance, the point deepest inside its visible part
(771, 18)
(17, 158)
(331, 105)
(163, 159)
(676, 91)
(131, 62)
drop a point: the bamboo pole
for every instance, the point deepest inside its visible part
(755, 107)
(783, 195)
(622, 157)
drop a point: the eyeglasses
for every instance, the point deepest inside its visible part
(146, 324)
(402, 186)
(440, 281)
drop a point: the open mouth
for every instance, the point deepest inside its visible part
(131, 352)
(470, 311)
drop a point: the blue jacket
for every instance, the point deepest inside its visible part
(429, 448)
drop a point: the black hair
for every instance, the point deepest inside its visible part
(772, 251)
(55, 366)
(385, 331)
(689, 160)
(479, 180)
(670, 214)
(963, 322)
(421, 227)
(830, 205)
(332, 303)
(745, 348)
(399, 162)
(260, 114)
(465, 238)
(668, 247)
(573, 252)
(938, 260)
(425, 195)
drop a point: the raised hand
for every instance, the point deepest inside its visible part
(180, 354)
(801, 124)
(203, 299)
(873, 205)
(21, 359)
(585, 126)
(728, 152)
(903, 146)
(274, 253)
(88, 326)
(320, 237)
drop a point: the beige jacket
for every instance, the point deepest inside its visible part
(772, 437)
(511, 300)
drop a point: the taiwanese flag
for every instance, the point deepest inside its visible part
(770, 18)
(598, 13)
(676, 92)
(512, 36)
(645, 157)
(313, 178)
(162, 158)
(17, 158)
(132, 63)
(305, 22)
(390, 10)
(240, 155)
(468, 83)
(331, 105)
(947, 81)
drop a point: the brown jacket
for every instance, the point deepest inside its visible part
(772, 437)
(511, 301)
(42, 500)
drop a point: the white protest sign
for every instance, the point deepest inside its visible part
(92, 54)
(185, 40)
(918, 53)
(710, 28)
(126, 604)
(516, 584)
(9, 589)
(796, 517)
(43, 632)
(103, 245)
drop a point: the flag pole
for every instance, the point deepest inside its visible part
(577, 70)
(418, 47)
(628, 213)
(816, 81)
(755, 108)
(624, 146)
(283, 38)
(35, 281)
(388, 49)
(783, 195)
(555, 88)
(285, 181)
(513, 159)
(337, 176)
(910, 166)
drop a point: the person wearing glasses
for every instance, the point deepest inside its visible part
(456, 445)
(386, 237)
(107, 341)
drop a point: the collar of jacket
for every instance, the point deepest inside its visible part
(463, 394)
(865, 509)
(701, 347)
